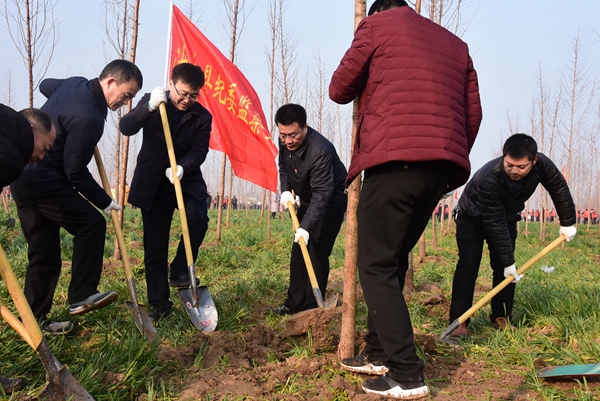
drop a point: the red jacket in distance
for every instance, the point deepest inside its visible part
(419, 95)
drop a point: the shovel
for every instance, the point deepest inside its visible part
(197, 300)
(500, 287)
(140, 316)
(570, 371)
(10, 222)
(309, 267)
(60, 383)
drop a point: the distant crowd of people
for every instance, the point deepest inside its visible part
(583, 216)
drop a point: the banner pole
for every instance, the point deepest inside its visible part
(169, 31)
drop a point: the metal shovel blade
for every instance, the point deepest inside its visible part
(570, 371)
(60, 383)
(10, 222)
(142, 321)
(204, 315)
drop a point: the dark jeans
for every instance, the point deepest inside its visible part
(396, 202)
(320, 244)
(43, 210)
(157, 224)
(470, 235)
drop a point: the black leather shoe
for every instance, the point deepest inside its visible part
(160, 311)
(282, 310)
(182, 281)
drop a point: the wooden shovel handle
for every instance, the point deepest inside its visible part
(18, 297)
(178, 192)
(114, 216)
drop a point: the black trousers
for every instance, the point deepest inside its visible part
(470, 235)
(157, 225)
(320, 244)
(396, 202)
(43, 210)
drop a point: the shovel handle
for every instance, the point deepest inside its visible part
(16, 324)
(309, 267)
(114, 217)
(16, 293)
(177, 184)
(502, 285)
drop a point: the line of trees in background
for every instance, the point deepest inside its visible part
(564, 118)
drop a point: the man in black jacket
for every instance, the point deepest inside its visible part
(489, 210)
(309, 166)
(24, 137)
(152, 187)
(59, 190)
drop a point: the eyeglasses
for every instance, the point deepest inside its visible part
(191, 96)
(292, 136)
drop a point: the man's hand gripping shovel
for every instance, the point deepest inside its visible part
(197, 300)
(140, 316)
(500, 287)
(60, 383)
(309, 267)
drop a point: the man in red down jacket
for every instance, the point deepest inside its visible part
(419, 114)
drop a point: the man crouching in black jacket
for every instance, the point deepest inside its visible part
(489, 210)
(309, 165)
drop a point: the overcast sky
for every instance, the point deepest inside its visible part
(508, 40)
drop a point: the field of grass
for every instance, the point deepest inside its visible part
(557, 314)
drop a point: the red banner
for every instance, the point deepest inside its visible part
(239, 127)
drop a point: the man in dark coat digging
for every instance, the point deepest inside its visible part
(489, 209)
(24, 138)
(59, 191)
(152, 186)
(309, 166)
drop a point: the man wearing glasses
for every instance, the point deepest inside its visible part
(59, 191)
(152, 186)
(309, 166)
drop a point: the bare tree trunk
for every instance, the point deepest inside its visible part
(229, 198)
(220, 202)
(273, 24)
(346, 346)
(30, 27)
(262, 210)
(422, 253)
(434, 243)
(409, 281)
(234, 20)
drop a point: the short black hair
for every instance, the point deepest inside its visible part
(382, 5)
(123, 71)
(291, 113)
(519, 146)
(188, 74)
(38, 117)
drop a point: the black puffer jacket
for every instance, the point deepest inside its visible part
(16, 144)
(316, 174)
(496, 199)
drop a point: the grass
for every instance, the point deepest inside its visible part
(558, 313)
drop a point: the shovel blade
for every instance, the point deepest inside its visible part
(204, 315)
(332, 303)
(570, 371)
(66, 387)
(10, 223)
(142, 321)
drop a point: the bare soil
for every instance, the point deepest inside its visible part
(257, 365)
